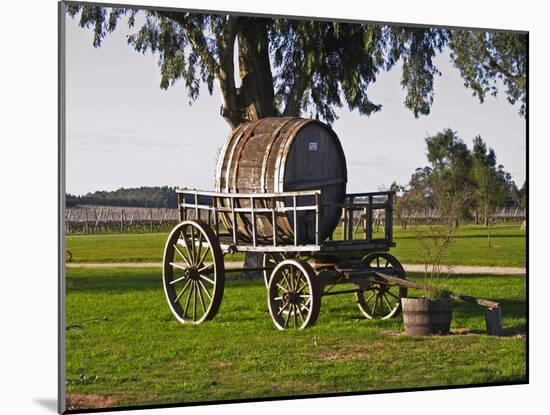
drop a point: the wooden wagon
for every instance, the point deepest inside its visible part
(280, 192)
(296, 274)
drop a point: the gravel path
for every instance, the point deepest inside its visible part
(454, 269)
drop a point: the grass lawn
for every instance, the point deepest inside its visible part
(123, 344)
(470, 248)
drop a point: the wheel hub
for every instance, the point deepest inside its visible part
(292, 297)
(192, 273)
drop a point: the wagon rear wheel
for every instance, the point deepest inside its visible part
(193, 272)
(294, 295)
(382, 301)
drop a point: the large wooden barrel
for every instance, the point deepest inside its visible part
(281, 154)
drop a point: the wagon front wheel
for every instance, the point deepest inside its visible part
(380, 301)
(294, 295)
(193, 272)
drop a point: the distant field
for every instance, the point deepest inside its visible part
(124, 345)
(508, 247)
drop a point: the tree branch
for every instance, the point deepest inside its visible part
(296, 93)
(194, 34)
(494, 65)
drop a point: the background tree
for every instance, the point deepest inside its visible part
(456, 173)
(416, 197)
(451, 165)
(293, 67)
(492, 183)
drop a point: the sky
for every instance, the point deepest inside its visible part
(124, 131)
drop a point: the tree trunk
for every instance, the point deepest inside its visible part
(255, 98)
(256, 92)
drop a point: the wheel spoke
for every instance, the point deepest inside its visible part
(182, 291)
(188, 300)
(387, 263)
(206, 268)
(195, 302)
(184, 235)
(388, 303)
(193, 247)
(382, 306)
(199, 249)
(285, 280)
(300, 312)
(203, 257)
(393, 295)
(301, 288)
(368, 299)
(294, 307)
(201, 298)
(285, 305)
(205, 290)
(176, 265)
(374, 307)
(272, 260)
(182, 255)
(207, 279)
(282, 288)
(296, 274)
(178, 280)
(287, 318)
(286, 276)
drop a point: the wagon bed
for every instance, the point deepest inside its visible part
(359, 211)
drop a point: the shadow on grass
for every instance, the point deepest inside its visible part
(512, 331)
(124, 280)
(136, 281)
(510, 309)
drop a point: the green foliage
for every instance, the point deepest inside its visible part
(493, 184)
(458, 173)
(450, 177)
(483, 58)
(317, 65)
(162, 197)
(440, 294)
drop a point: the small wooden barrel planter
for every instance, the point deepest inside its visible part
(423, 317)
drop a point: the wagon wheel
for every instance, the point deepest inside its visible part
(382, 301)
(294, 295)
(271, 260)
(193, 272)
